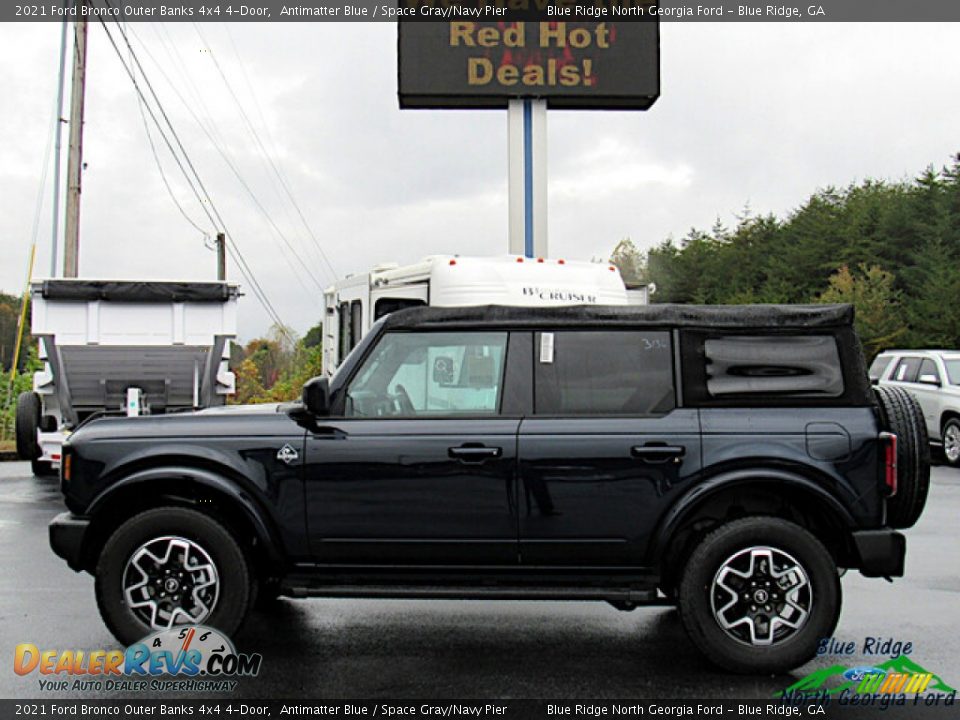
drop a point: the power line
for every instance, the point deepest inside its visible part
(256, 136)
(209, 207)
(219, 144)
(163, 175)
(255, 285)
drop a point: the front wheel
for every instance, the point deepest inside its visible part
(758, 594)
(171, 566)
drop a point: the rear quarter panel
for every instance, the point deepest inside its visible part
(837, 448)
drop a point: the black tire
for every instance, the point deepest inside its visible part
(949, 427)
(27, 424)
(700, 594)
(234, 591)
(42, 468)
(901, 414)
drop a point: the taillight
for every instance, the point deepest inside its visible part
(66, 467)
(889, 441)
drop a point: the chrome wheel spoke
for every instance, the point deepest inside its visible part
(170, 581)
(761, 596)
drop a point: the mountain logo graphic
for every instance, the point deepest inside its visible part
(898, 675)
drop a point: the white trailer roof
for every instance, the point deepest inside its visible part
(509, 280)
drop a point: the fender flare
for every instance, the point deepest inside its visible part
(703, 491)
(265, 533)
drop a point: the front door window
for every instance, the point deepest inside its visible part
(430, 374)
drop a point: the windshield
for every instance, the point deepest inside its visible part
(953, 370)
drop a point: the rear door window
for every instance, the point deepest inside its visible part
(879, 366)
(907, 370)
(928, 371)
(620, 372)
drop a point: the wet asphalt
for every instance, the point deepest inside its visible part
(370, 649)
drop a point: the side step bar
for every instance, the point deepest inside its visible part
(623, 598)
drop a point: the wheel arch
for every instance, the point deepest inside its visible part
(742, 493)
(202, 489)
(947, 415)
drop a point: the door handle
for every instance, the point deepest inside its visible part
(659, 453)
(474, 454)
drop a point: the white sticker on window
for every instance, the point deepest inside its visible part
(546, 348)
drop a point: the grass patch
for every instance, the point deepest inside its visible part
(8, 446)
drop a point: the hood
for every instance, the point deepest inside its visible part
(229, 421)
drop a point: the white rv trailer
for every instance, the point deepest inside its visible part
(353, 304)
(123, 347)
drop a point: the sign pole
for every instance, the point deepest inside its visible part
(522, 66)
(527, 176)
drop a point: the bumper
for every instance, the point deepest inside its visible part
(67, 532)
(881, 552)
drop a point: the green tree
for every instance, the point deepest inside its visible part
(9, 323)
(934, 309)
(630, 261)
(22, 382)
(314, 336)
(911, 228)
(879, 316)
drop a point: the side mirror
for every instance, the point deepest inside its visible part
(316, 396)
(928, 379)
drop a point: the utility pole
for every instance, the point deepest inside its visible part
(55, 225)
(221, 257)
(71, 239)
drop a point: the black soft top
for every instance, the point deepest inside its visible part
(757, 317)
(137, 291)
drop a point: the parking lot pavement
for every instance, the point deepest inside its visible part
(425, 649)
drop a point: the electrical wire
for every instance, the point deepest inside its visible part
(218, 145)
(236, 253)
(163, 175)
(199, 190)
(246, 186)
(276, 170)
(25, 297)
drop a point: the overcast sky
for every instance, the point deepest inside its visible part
(749, 113)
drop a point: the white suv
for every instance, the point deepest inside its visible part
(933, 377)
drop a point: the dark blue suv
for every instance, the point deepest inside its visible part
(728, 460)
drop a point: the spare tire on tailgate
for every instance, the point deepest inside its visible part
(901, 414)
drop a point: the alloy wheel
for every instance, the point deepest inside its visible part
(171, 581)
(761, 596)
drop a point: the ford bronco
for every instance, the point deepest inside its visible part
(731, 461)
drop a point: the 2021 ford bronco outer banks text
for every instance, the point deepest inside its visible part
(729, 460)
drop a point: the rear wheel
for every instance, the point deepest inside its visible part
(758, 594)
(902, 415)
(171, 566)
(27, 424)
(951, 442)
